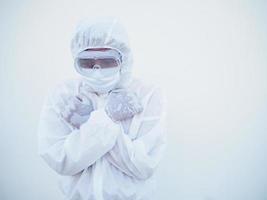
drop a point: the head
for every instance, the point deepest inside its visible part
(102, 54)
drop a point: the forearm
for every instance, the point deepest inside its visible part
(137, 158)
(71, 153)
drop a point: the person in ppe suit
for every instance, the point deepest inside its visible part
(103, 132)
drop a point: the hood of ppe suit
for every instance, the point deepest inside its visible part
(104, 33)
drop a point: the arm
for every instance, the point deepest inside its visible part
(140, 157)
(69, 151)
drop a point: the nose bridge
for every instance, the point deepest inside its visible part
(96, 66)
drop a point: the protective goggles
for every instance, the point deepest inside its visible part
(99, 59)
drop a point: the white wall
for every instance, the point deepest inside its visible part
(209, 57)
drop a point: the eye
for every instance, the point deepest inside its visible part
(86, 63)
(109, 62)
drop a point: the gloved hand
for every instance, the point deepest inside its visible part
(122, 105)
(77, 110)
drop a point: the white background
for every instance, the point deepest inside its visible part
(208, 56)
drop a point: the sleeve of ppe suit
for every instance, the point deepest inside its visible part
(69, 151)
(140, 157)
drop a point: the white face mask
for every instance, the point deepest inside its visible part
(101, 80)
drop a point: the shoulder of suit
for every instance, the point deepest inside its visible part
(143, 87)
(65, 88)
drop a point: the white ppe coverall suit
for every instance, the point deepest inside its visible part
(103, 160)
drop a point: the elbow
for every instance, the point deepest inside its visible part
(146, 174)
(66, 172)
(147, 169)
(59, 165)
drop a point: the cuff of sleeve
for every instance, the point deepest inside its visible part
(100, 115)
(101, 126)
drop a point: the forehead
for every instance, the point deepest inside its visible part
(99, 52)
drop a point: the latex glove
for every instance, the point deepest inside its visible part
(77, 110)
(122, 105)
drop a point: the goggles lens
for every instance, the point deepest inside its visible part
(89, 63)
